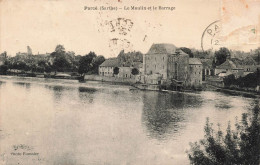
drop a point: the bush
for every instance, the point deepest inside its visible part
(3, 69)
(239, 146)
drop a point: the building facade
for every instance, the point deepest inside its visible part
(165, 62)
(107, 67)
(228, 68)
(195, 72)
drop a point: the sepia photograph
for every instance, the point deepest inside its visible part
(129, 82)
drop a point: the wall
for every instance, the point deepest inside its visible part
(125, 72)
(156, 63)
(106, 71)
(178, 67)
(110, 79)
(195, 75)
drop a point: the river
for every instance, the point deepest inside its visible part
(64, 122)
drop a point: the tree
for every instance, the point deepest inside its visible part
(135, 71)
(60, 49)
(86, 63)
(4, 54)
(61, 64)
(130, 57)
(187, 51)
(3, 69)
(229, 80)
(97, 61)
(116, 71)
(221, 55)
(239, 146)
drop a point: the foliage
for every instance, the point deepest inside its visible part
(60, 63)
(116, 71)
(221, 55)
(229, 80)
(129, 58)
(3, 69)
(135, 71)
(187, 51)
(60, 49)
(250, 80)
(86, 63)
(97, 61)
(239, 146)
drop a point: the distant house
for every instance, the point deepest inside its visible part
(125, 70)
(165, 62)
(229, 67)
(195, 72)
(248, 64)
(108, 66)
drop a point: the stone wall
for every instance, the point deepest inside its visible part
(195, 75)
(110, 79)
(106, 71)
(156, 63)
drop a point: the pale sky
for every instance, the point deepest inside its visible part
(43, 24)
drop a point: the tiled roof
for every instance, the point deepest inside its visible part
(162, 49)
(249, 61)
(228, 64)
(110, 63)
(194, 61)
(207, 63)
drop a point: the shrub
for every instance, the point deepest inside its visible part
(239, 146)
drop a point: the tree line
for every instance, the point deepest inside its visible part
(58, 61)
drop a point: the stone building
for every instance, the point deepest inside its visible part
(107, 67)
(195, 72)
(164, 63)
(124, 70)
(228, 68)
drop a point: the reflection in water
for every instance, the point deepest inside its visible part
(223, 104)
(88, 90)
(163, 113)
(84, 123)
(86, 94)
(23, 84)
(1, 83)
(57, 91)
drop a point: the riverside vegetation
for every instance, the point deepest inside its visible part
(240, 146)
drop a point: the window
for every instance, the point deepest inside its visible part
(155, 66)
(163, 58)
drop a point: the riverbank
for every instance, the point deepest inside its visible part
(234, 92)
(149, 87)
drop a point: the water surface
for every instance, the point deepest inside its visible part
(71, 123)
